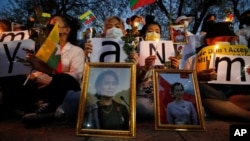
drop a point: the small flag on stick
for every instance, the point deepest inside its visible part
(49, 52)
(46, 15)
(87, 17)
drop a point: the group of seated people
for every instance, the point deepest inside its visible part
(57, 91)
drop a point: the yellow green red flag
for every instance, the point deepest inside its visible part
(49, 52)
(134, 4)
(87, 17)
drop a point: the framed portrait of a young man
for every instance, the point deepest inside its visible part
(178, 34)
(107, 102)
(177, 101)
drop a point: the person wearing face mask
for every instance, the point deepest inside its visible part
(193, 41)
(114, 28)
(223, 100)
(151, 31)
(49, 86)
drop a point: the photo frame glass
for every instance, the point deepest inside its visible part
(178, 34)
(107, 100)
(177, 101)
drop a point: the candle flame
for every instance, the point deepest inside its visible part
(216, 46)
(156, 40)
(229, 18)
(136, 24)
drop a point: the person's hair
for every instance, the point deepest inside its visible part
(244, 18)
(206, 22)
(149, 21)
(209, 16)
(6, 24)
(176, 84)
(131, 19)
(116, 18)
(102, 75)
(73, 24)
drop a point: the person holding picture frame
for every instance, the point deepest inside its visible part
(151, 31)
(223, 100)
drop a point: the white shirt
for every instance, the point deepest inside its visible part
(72, 58)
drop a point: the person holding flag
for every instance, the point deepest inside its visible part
(59, 65)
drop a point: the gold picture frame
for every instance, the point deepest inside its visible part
(95, 117)
(174, 110)
(178, 34)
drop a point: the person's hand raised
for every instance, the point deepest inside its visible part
(134, 57)
(88, 47)
(150, 61)
(207, 75)
(174, 62)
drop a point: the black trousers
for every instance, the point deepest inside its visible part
(17, 96)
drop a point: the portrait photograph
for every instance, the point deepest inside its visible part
(177, 101)
(107, 100)
(178, 34)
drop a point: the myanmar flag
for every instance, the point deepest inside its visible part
(87, 17)
(134, 4)
(49, 52)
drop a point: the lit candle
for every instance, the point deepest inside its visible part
(136, 24)
(214, 55)
(90, 38)
(90, 33)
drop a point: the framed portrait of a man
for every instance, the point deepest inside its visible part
(177, 101)
(178, 34)
(107, 100)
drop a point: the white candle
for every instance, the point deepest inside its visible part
(90, 38)
(214, 55)
(90, 33)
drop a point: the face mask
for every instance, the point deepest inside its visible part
(186, 23)
(114, 33)
(152, 36)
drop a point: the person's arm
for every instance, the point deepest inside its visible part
(174, 62)
(207, 75)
